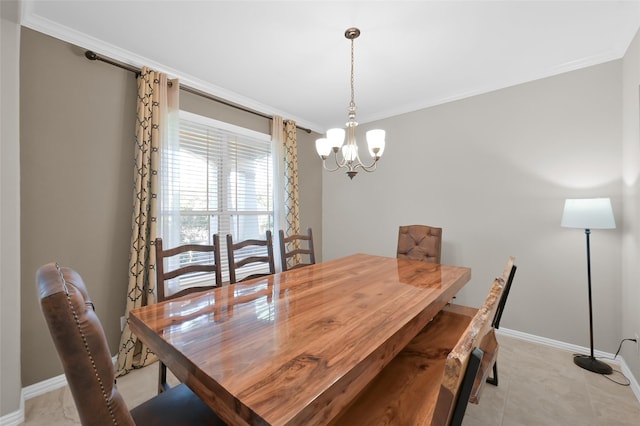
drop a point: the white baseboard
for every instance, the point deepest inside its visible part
(15, 418)
(31, 391)
(37, 389)
(553, 343)
(633, 383)
(624, 368)
(43, 387)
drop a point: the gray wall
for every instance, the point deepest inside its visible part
(77, 124)
(631, 190)
(10, 382)
(493, 171)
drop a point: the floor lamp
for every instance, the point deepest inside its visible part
(588, 214)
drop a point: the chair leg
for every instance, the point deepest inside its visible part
(466, 387)
(162, 378)
(494, 380)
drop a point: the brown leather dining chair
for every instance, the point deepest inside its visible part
(296, 250)
(200, 258)
(420, 242)
(84, 352)
(250, 252)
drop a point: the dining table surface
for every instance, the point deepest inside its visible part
(294, 348)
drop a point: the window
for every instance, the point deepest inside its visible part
(216, 178)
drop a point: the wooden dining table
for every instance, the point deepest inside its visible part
(296, 347)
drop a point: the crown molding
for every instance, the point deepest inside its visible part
(61, 32)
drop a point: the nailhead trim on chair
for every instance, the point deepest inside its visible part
(86, 345)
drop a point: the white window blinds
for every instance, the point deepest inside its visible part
(218, 178)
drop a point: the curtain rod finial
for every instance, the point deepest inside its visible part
(90, 55)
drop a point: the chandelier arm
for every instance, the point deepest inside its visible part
(342, 162)
(368, 168)
(324, 166)
(358, 163)
(339, 164)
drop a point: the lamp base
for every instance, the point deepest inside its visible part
(590, 363)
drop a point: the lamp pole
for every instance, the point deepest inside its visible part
(590, 362)
(587, 232)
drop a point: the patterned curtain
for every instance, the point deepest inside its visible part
(284, 133)
(291, 199)
(155, 100)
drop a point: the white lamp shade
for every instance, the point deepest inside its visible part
(323, 146)
(350, 152)
(336, 137)
(375, 139)
(588, 213)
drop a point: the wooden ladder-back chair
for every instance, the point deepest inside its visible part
(207, 262)
(432, 379)
(84, 352)
(420, 242)
(252, 252)
(294, 247)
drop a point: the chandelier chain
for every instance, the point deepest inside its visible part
(353, 96)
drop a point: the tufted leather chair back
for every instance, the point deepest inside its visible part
(420, 242)
(82, 346)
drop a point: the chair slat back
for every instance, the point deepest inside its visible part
(209, 264)
(234, 264)
(294, 248)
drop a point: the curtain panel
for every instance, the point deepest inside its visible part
(284, 134)
(157, 102)
(292, 200)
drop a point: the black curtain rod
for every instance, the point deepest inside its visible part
(95, 57)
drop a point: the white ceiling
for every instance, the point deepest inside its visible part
(291, 57)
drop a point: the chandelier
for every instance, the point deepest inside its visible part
(346, 155)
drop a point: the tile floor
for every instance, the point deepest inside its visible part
(538, 385)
